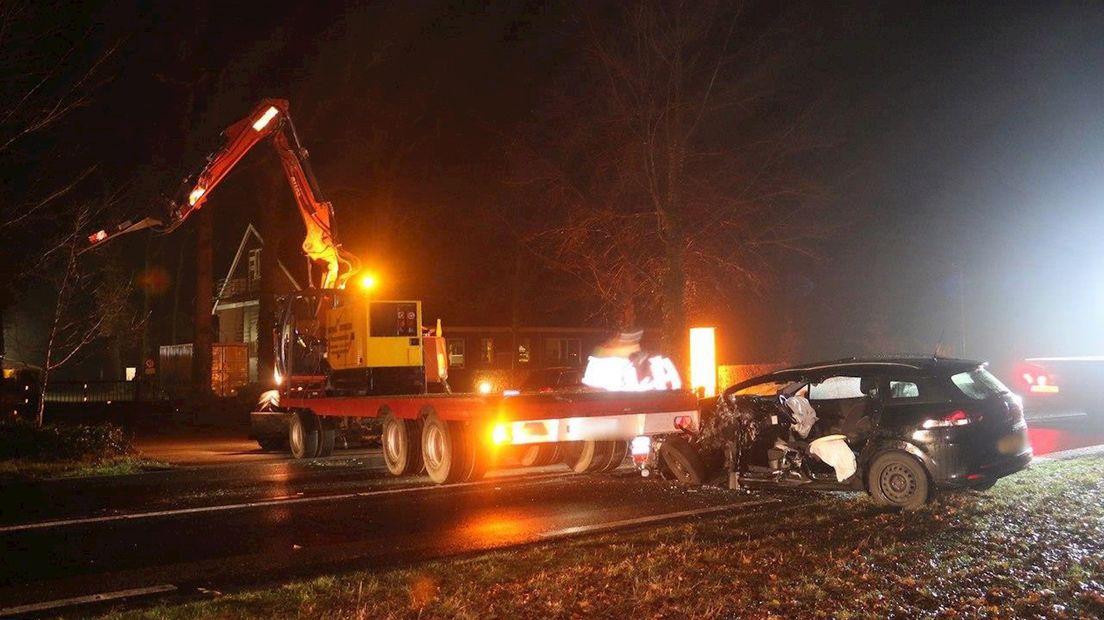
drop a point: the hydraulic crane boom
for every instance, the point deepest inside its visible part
(269, 119)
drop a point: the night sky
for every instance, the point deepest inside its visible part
(964, 156)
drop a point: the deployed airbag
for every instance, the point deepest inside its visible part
(804, 415)
(833, 450)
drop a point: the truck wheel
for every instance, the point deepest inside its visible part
(443, 450)
(682, 460)
(303, 432)
(588, 456)
(401, 446)
(618, 450)
(327, 437)
(538, 454)
(476, 457)
(897, 479)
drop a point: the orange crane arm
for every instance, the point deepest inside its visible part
(269, 119)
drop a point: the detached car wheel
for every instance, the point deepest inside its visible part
(898, 480)
(682, 460)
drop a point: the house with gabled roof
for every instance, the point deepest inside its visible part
(238, 295)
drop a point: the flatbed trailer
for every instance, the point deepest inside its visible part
(458, 437)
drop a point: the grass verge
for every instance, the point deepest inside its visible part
(1030, 547)
(58, 451)
(19, 469)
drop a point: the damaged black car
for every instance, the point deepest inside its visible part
(899, 429)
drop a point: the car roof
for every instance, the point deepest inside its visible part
(903, 365)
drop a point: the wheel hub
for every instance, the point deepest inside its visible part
(435, 447)
(391, 443)
(898, 483)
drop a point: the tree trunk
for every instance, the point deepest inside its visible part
(269, 285)
(675, 343)
(203, 336)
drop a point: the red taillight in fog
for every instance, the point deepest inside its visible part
(1038, 380)
(957, 417)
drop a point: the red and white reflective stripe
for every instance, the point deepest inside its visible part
(613, 427)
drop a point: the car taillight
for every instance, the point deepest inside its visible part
(957, 417)
(1040, 384)
(1038, 380)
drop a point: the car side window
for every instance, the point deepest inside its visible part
(903, 389)
(837, 388)
(767, 388)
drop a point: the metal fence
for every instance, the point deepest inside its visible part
(101, 391)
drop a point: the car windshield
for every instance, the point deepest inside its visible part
(978, 384)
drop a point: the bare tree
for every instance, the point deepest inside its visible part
(50, 68)
(91, 302)
(671, 159)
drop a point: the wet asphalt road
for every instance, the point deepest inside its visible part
(226, 526)
(229, 525)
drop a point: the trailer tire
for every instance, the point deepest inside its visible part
(303, 432)
(401, 441)
(682, 460)
(327, 437)
(443, 450)
(475, 457)
(538, 454)
(588, 456)
(618, 450)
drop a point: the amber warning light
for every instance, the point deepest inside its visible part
(703, 360)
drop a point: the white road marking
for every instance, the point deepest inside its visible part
(82, 600)
(613, 525)
(271, 502)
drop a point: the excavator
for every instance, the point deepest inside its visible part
(327, 339)
(270, 119)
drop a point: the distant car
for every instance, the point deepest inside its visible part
(554, 379)
(913, 424)
(1061, 386)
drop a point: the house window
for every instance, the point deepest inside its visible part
(255, 264)
(486, 350)
(523, 353)
(562, 351)
(455, 352)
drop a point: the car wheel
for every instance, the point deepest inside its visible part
(898, 480)
(682, 460)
